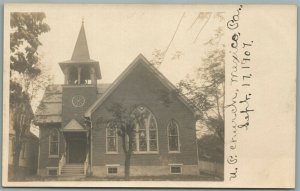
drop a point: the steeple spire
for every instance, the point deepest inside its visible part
(81, 69)
(81, 50)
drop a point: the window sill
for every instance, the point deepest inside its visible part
(53, 156)
(112, 153)
(112, 174)
(112, 165)
(174, 152)
(146, 153)
(175, 173)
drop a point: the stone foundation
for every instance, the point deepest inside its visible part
(42, 172)
(101, 171)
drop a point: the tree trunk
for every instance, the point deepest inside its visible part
(16, 158)
(127, 166)
(127, 151)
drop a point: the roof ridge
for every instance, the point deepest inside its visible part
(125, 73)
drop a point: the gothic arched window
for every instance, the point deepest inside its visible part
(54, 143)
(173, 136)
(111, 139)
(145, 138)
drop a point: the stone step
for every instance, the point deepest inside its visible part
(72, 170)
(67, 167)
(72, 175)
(74, 165)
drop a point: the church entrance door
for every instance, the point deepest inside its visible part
(77, 151)
(76, 147)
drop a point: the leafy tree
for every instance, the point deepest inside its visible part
(24, 42)
(206, 89)
(124, 122)
(20, 116)
(25, 72)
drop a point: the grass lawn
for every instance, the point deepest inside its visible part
(202, 177)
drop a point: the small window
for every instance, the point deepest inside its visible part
(52, 172)
(175, 169)
(111, 139)
(112, 170)
(173, 136)
(23, 150)
(54, 143)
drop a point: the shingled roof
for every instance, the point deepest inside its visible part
(50, 108)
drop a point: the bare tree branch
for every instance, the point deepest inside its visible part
(203, 27)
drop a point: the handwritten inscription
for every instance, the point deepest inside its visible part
(233, 23)
(240, 80)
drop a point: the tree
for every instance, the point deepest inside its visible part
(124, 122)
(21, 116)
(25, 69)
(206, 89)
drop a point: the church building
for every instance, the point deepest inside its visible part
(75, 138)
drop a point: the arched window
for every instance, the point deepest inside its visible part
(173, 136)
(72, 75)
(54, 143)
(111, 139)
(145, 138)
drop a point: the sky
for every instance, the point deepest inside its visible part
(116, 35)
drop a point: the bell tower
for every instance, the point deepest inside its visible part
(81, 70)
(80, 84)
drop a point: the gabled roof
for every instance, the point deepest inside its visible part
(140, 59)
(73, 125)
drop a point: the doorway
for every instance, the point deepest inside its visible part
(76, 148)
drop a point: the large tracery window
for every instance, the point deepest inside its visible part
(145, 138)
(173, 136)
(54, 143)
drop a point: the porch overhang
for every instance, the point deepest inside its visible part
(73, 126)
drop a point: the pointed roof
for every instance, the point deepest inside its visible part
(81, 55)
(81, 50)
(140, 59)
(73, 125)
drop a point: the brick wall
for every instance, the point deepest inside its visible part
(142, 88)
(44, 159)
(70, 112)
